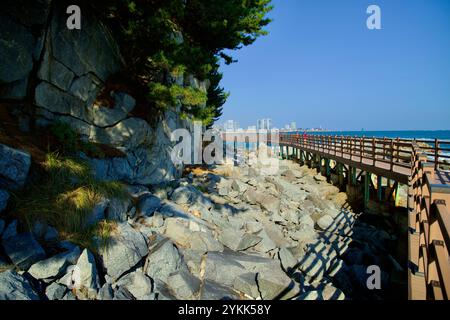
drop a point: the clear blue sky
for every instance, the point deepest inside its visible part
(321, 66)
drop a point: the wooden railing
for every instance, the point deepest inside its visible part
(428, 198)
(396, 152)
(429, 227)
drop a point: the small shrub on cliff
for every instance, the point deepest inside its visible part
(64, 197)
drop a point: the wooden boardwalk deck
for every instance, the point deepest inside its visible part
(420, 164)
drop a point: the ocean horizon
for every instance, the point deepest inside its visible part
(404, 134)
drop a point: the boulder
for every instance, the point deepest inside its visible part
(178, 231)
(287, 259)
(238, 240)
(276, 285)
(4, 197)
(215, 291)
(23, 250)
(163, 260)
(148, 204)
(89, 50)
(15, 287)
(204, 242)
(106, 292)
(127, 247)
(14, 167)
(266, 244)
(239, 186)
(246, 283)
(183, 284)
(55, 266)
(87, 283)
(138, 284)
(222, 268)
(325, 222)
(55, 291)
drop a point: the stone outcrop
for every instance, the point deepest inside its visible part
(62, 71)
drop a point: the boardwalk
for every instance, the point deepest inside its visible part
(422, 165)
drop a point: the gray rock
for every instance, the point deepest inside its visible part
(239, 186)
(55, 266)
(163, 260)
(10, 230)
(204, 242)
(306, 220)
(14, 167)
(266, 244)
(55, 291)
(246, 283)
(106, 292)
(183, 284)
(136, 283)
(85, 89)
(88, 282)
(104, 117)
(304, 234)
(222, 268)
(23, 250)
(51, 98)
(4, 197)
(287, 259)
(89, 50)
(189, 195)
(214, 291)
(178, 231)
(238, 240)
(16, 50)
(98, 213)
(127, 247)
(274, 285)
(69, 296)
(325, 222)
(320, 177)
(117, 209)
(253, 226)
(148, 204)
(162, 292)
(15, 287)
(128, 134)
(56, 73)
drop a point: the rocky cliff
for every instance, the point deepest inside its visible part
(49, 73)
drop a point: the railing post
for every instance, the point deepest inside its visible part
(373, 151)
(392, 155)
(398, 149)
(361, 148)
(436, 154)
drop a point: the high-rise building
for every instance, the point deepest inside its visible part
(264, 124)
(293, 125)
(231, 125)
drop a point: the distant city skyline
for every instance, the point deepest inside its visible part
(320, 66)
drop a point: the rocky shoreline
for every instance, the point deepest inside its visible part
(217, 233)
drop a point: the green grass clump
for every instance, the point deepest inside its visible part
(64, 197)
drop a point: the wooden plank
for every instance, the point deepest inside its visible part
(443, 266)
(416, 286)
